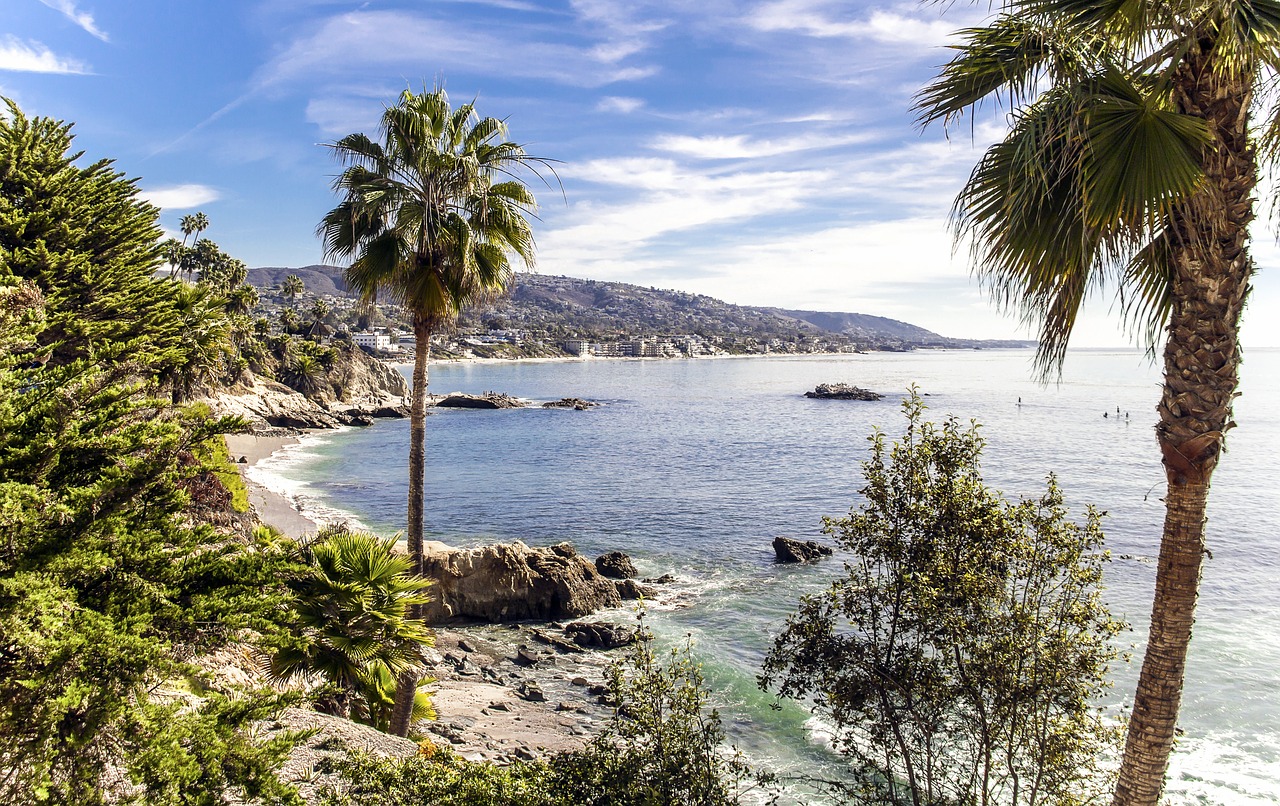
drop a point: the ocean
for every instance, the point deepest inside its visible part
(692, 467)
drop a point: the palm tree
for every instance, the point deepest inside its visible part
(319, 310)
(430, 216)
(351, 619)
(1130, 161)
(292, 287)
(204, 339)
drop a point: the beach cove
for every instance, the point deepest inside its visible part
(692, 467)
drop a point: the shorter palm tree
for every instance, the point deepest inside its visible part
(292, 287)
(351, 620)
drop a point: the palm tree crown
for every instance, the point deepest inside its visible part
(1131, 162)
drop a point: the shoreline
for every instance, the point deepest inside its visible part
(271, 506)
(490, 706)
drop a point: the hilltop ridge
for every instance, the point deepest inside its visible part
(560, 307)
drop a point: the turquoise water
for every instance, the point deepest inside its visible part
(692, 467)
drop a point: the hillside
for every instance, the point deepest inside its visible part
(565, 307)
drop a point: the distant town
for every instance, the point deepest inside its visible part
(550, 316)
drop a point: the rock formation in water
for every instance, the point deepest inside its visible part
(788, 550)
(842, 391)
(513, 582)
(488, 400)
(616, 565)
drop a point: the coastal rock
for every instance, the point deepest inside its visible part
(665, 579)
(616, 565)
(630, 589)
(488, 400)
(513, 582)
(842, 391)
(601, 634)
(575, 403)
(788, 550)
(353, 387)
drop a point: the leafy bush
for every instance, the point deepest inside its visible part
(962, 657)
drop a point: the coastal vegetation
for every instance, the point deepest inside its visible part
(430, 218)
(962, 657)
(109, 582)
(1132, 160)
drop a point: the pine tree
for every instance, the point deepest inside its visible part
(104, 582)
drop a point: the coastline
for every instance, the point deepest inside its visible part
(490, 705)
(272, 506)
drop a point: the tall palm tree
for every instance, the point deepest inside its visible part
(1131, 161)
(430, 216)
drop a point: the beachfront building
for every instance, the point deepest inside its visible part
(373, 340)
(579, 347)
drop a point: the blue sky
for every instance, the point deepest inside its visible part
(760, 152)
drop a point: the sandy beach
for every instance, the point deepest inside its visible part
(272, 507)
(482, 716)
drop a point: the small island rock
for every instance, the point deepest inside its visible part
(842, 391)
(788, 550)
(488, 400)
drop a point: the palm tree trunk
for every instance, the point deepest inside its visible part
(1211, 266)
(407, 683)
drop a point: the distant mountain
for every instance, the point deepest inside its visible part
(569, 306)
(859, 325)
(318, 279)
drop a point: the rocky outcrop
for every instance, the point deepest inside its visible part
(513, 582)
(488, 400)
(788, 550)
(616, 565)
(575, 403)
(842, 391)
(630, 589)
(356, 388)
(600, 634)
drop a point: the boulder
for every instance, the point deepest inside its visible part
(616, 565)
(630, 589)
(512, 582)
(600, 634)
(788, 550)
(842, 391)
(489, 400)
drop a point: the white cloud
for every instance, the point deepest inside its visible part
(415, 46)
(33, 57)
(82, 18)
(738, 146)
(180, 197)
(827, 20)
(617, 103)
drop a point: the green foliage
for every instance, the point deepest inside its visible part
(349, 622)
(663, 747)
(214, 457)
(962, 658)
(440, 779)
(104, 582)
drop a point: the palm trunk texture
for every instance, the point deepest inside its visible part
(407, 683)
(1209, 235)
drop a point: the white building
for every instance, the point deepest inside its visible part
(373, 340)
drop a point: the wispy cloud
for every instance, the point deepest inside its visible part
(180, 197)
(738, 146)
(82, 18)
(382, 41)
(617, 103)
(825, 20)
(33, 57)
